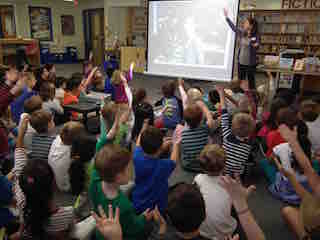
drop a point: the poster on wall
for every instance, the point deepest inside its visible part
(40, 23)
(67, 25)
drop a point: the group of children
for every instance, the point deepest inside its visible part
(186, 156)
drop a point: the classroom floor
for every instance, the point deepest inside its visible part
(265, 208)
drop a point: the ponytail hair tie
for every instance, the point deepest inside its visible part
(30, 180)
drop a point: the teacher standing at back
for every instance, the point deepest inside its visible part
(249, 43)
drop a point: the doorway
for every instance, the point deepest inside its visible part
(94, 34)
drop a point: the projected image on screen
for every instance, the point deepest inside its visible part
(191, 39)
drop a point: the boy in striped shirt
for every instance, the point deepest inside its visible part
(42, 122)
(235, 138)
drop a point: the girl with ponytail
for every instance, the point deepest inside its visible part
(34, 188)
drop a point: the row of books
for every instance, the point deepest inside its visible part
(289, 18)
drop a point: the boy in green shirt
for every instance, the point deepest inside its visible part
(111, 171)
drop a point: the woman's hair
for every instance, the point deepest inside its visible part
(303, 139)
(254, 24)
(276, 105)
(82, 151)
(47, 91)
(288, 95)
(212, 159)
(36, 182)
(33, 104)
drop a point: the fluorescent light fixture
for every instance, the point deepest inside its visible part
(68, 0)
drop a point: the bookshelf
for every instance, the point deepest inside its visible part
(286, 28)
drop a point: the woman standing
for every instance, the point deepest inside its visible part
(249, 43)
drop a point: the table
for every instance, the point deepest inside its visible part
(278, 71)
(84, 107)
(88, 104)
(14, 43)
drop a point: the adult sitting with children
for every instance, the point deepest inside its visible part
(149, 175)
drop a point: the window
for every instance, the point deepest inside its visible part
(7, 22)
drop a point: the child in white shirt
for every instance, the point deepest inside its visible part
(219, 223)
(60, 154)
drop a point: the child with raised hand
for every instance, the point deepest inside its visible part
(116, 125)
(111, 171)
(281, 188)
(120, 96)
(235, 138)
(152, 172)
(50, 104)
(17, 106)
(42, 122)
(30, 106)
(61, 83)
(60, 153)
(303, 221)
(219, 223)
(34, 188)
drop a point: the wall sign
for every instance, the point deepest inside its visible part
(40, 23)
(300, 4)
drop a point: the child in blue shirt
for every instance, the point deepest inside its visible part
(152, 173)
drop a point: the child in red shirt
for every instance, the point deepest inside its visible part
(72, 93)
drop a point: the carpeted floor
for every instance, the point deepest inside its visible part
(265, 208)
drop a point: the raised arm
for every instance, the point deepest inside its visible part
(239, 196)
(115, 127)
(20, 156)
(303, 160)
(225, 124)
(175, 154)
(207, 113)
(230, 23)
(183, 94)
(144, 127)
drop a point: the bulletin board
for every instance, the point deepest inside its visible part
(41, 23)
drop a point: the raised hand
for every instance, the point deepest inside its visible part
(109, 226)
(288, 134)
(239, 194)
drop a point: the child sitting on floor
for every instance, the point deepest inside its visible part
(61, 83)
(72, 93)
(83, 149)
(30, 106)
(49, 103)
(111, 171)
(170, 114)
(235, 138)
(309, 112)
(142, 110)
(60, 153)
(43, 123)
(34, 193)
(186, 212)
(282, 188)
(152, 172)
(219, 222)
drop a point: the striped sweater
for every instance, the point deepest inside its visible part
(40, 147)
(237, 151)
(192, 143)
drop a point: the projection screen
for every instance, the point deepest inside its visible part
(191, 39)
